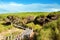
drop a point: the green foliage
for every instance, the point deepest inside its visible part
(58, 24)
(45, 34)
(33, 26)
(49, 31)
(4, 28)
(52, 24)
(58, 27)
(24, 14)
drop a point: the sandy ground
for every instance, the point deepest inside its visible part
(9, 31)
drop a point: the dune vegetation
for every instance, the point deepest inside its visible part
(46, 25)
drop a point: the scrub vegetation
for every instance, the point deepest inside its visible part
(46, 25)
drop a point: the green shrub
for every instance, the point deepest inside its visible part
(48, 31)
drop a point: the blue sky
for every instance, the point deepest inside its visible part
(29, 5)
(32, 1)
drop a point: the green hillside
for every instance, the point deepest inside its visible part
(22, 14)
(49, 29)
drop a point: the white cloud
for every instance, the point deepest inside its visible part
(15, 7)
(54, 9)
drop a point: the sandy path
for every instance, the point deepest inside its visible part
(9, 31)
